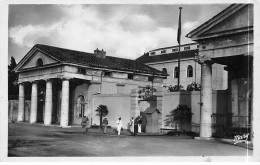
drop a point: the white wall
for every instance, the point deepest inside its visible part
(219, 75)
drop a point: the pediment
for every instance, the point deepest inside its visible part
(32, 61)
(234, 19)
(241, 19)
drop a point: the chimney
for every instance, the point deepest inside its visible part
(100, 53)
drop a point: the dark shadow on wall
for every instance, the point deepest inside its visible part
(185, 99)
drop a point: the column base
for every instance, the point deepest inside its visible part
(204, 138)
(64, 126)
(48, 125)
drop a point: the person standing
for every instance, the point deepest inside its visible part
(104, 125)
(119, 125)
(84, 124)
(136, 125)
(139, 124)
(132, 121)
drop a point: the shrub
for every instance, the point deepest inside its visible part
(193, 87)
(175, 88)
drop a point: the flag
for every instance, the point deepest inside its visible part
(179, 27)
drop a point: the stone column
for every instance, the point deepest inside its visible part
(21, 103)
(159, 95)
(64, 119)
(206, 99)
(48, 103)
(34, 101)
(135, 111)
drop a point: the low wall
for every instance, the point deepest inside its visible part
(170, 101)
(192, 99)
(13, 110)
(117, 105)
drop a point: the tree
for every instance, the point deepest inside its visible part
(12, 78)
(101, 111)
(180, 114)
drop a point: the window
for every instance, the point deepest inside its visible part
(81, 71)
(107, 74)
(187, 48)
(130, 76)
(81, 106)
(197, 46)
(176, 72)
(152, 53)
(175, 50)
(164, 70)
(163, 51)
(189, 71)
(120, 88)
(39, 62)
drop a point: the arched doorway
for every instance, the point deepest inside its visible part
(80, 109)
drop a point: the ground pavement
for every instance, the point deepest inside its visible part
(34, 140)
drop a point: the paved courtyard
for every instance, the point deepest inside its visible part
(25, 140)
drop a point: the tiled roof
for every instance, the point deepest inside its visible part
(151, 110)
(167, 57)
(90, 60)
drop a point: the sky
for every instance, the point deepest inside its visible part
(122, 30)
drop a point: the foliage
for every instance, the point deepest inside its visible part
(193, 87)
(101, 111)
(180, 114)
(146, 93)
(13, 87)
(175, 88)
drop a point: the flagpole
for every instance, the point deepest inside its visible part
(179, 41)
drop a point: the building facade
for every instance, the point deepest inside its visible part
(166, 60)
(227, 39)
(62, 83)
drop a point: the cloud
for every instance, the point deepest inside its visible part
(85, 29)
(190, 25)
(29, 34)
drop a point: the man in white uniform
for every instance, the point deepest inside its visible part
(119, 125)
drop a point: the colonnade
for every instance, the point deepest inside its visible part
(64, 118)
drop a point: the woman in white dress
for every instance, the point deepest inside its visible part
(119, 125)
(140, 124)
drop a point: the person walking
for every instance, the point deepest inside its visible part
(84, 124)
(104, 125)
(119, 125)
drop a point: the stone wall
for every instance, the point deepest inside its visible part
(192, 99)
(126, 106)
(13, 110)
(117, 105)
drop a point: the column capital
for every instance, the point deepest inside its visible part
(19, 82)
(49, 79)
(66, 78)
(204, 59)
(35, 82)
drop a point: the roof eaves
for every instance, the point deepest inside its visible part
(193, 43)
